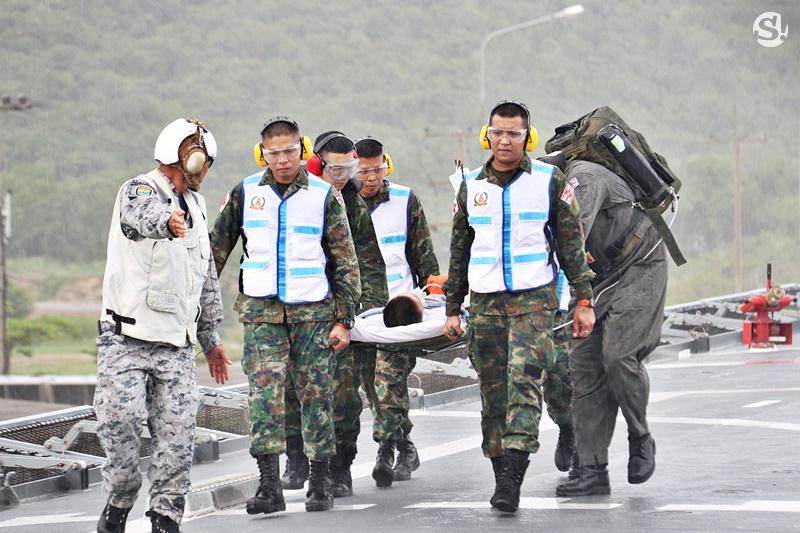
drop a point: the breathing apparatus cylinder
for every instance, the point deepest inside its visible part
(635, 164)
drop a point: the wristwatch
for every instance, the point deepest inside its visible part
(586, 302)
(347, 323)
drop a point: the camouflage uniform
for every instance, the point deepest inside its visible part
(138, 380)
(557, 386)
(288, 339)
(374, 293)
(393, 368)
(510, 339)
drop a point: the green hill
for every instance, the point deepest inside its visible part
(105, 77)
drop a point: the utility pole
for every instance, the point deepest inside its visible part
(5, 233)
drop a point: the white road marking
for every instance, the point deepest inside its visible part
(545, 423)
(724, 422)
(661, 366)
(47, 519)
(760, 404)
(524, 503)
(764, 506)
(293, 508)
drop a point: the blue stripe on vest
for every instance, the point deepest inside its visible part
(398, 192)
(255, 179)
(282, 251)
(253, 265)
(393, 239)
(479, 221)
(530, 258)
(308, 271)
(538, 166)
(482, 260)
(533, 215)
(562, 278)
(508, 278)
(318, 184)
(307, 230)
(473, 174)
(250, 224)
(394, 277)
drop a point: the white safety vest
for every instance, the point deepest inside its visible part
(152, 287)
(510, 251)
(390, 220)
(283, 242)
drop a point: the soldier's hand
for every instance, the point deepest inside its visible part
(339, 337)
(582, 321)
(452, 328)
(177, 224)
(218, 363)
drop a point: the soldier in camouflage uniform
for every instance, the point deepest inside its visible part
(335, 164)
(160, 297)
(297, 300)
(512, 216)
(407, 249)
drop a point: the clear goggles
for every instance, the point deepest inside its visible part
(514, 136)
(364, 172)
(341, 171)
(278, 153)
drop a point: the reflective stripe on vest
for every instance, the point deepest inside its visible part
(562, 292)
(283, 242)
(390, 220)
(510, 251)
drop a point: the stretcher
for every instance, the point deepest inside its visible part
(427, 335)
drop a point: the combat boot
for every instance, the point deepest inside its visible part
(162, 524)
(506, 495)
(641, 458)
(565, 449)
(319, 496)
(383, 473)
(341, 480)
(590, 480)
(407, 460)
(269, 495)
(112, 519)
(296, 472)
(498, 464)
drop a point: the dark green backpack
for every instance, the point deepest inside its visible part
(602, 137)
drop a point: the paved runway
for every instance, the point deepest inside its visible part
(728, 435)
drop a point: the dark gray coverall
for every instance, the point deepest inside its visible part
(606, 367)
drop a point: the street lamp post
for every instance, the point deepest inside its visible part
(576, 9)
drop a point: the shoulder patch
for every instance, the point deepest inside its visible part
(568, 194)
(574, 182)
(139, 188)
(338, 195)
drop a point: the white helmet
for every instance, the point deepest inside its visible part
(171, 137)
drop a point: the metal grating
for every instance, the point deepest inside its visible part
(223, 419)
(88, 443)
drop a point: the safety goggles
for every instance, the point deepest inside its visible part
(364, 172)
(278, 153)
(341, 171)
(514, 136)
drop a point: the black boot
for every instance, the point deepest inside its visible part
(575, 465)
(641, 458)
(565, 448)
(319, 496)
(506, 495)
(162, 524)
(296, 472)
(407, 460)
(341, 480)
(269, 495)
(383, 473)
(590, 480)
(112, 519)
(498, 464)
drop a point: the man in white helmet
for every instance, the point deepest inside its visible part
(160, 297)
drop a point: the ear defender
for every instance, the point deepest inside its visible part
(306, 150)
(258, 155)
(389, 164)
(314, 165)
(484, 139)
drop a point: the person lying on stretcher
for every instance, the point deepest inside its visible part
(407, 317)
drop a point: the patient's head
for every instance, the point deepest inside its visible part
(402, 310)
